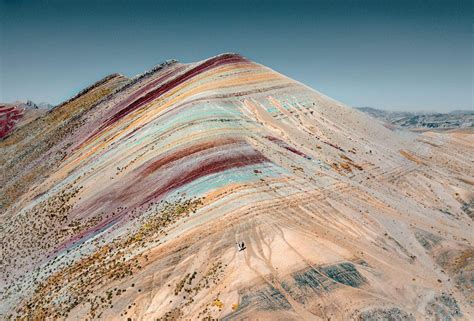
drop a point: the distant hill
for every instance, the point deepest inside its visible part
(424, 120)
(17, 114)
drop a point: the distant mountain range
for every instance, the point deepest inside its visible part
(32, 105)
(423, 120)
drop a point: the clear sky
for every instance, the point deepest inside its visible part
(398, 55)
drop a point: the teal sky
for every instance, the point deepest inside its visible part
(397, 55)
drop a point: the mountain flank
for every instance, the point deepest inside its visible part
(223, 190)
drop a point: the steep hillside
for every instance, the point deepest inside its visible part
(31, 151)
(225, 190)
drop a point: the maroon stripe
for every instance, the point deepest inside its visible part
(212, 166)
(283, 144)
(152, 84)
(190, 150)
(152, 95)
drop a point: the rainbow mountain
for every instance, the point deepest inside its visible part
(223, 190)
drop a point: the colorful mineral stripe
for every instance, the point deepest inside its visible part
(9, 116)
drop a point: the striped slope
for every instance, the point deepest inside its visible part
(162, 177)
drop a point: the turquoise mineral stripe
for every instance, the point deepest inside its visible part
(188, 115)
(224, 128)
(205, 184)
(273, 110)
(155, 133)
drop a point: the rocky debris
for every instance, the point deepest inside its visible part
(443, 307)
(387, 314)
(468, 208)
(427, 239)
